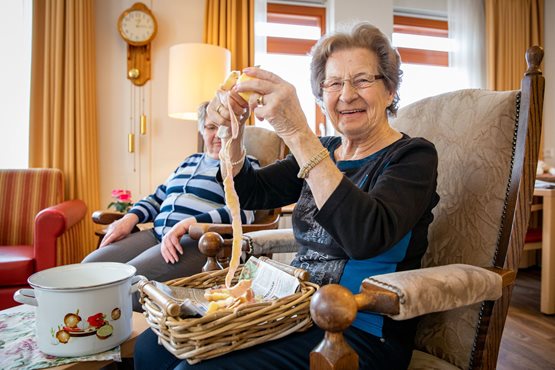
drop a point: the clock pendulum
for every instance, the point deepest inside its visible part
(138, 27)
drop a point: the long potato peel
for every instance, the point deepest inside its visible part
(232, 201)
(231, 198)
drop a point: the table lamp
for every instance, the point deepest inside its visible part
(195, 73)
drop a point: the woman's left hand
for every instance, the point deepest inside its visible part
(218, 108)
(170, 242)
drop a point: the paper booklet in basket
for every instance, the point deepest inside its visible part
(197, 318)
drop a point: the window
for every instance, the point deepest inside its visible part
(15, 35)
(424, 47)
(290, 32)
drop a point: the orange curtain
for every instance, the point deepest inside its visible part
(63, 131)
(230, 24)
(511, 27)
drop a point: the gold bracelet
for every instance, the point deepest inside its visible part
(308, 166)
(243, 155)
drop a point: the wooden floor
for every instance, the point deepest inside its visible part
(529, 336)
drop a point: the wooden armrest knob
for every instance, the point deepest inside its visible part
(333, 308)
(210, 245)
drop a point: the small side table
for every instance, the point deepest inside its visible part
(139, 324)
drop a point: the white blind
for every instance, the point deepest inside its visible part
(15, 64)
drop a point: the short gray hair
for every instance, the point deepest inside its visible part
(202, 116)
(361, 35)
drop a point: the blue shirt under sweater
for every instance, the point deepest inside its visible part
(355, 271)
(191, 190)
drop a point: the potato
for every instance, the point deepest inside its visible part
(245, 95)
(230, 80)
(233, 78)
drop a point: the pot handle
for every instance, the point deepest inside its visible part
(135, 282)
(25, 296)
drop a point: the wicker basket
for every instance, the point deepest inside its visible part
(197, 339)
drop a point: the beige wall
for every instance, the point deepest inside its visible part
(168, 141)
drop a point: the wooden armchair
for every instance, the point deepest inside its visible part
(488, 149)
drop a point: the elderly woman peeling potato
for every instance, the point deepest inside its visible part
(364, 198)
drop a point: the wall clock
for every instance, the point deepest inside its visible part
(137, 26)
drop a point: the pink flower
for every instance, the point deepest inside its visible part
(125, 197)
(117, 192)
(122, 201)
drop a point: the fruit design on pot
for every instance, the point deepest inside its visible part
(74, 326)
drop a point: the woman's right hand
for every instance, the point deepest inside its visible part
(170, 246)
(218, 108)
(119, 229)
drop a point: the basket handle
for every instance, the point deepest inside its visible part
(163, 301)
(300, 274)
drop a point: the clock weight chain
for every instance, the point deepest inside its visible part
(131, 134)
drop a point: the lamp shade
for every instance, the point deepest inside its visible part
(195, 73)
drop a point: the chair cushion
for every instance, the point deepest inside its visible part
(17, 263)
(533, 235)
(424, 361)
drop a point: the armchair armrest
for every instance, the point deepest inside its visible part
(196, 231)
(106, 217)
(256, 241)
(401, 296)
(50, 223)
(436, 289)
(271, 241)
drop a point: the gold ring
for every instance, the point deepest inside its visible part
(219, 108)
(260, 101)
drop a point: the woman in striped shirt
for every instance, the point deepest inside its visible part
(191, 194)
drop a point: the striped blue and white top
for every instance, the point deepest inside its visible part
(191, 190)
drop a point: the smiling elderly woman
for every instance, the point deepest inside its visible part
(364, 198)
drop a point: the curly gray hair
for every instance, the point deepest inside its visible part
(361, 35)
(202, 116)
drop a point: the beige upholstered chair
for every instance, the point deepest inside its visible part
(488, 148)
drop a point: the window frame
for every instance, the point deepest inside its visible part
(302, 16)
(423, 27)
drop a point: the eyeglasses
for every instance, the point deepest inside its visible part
(358, 83)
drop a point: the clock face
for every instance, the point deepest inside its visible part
(137, 27)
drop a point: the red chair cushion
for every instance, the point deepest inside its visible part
(16, 264)
(533, 235)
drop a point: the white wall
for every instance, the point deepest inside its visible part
(377, 12)
(437, 8)
(549, 74)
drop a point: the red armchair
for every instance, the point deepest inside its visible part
(32, 217)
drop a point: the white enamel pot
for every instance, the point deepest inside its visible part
(82, 309)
